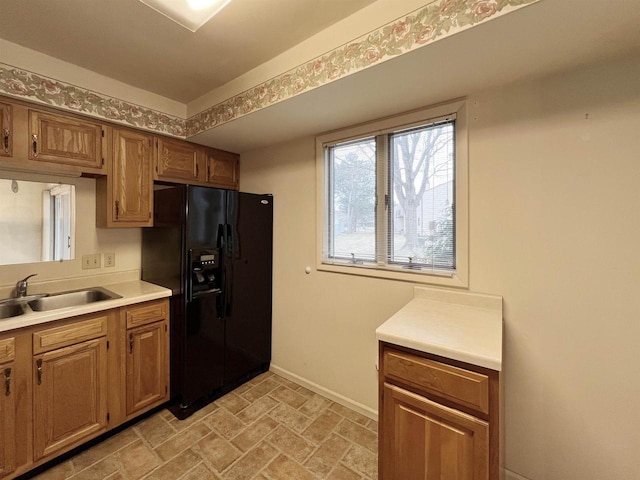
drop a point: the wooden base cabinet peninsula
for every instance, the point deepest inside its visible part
(67, 381)
(439, 390)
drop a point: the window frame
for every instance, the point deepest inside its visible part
(457, 278)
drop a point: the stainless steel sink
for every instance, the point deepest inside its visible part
(72, 298)
(8, 310)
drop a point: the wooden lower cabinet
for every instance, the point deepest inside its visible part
(147, 368)
(68, 381)
(425, 440)
(438, 418)
(70, 396)
(7, 419)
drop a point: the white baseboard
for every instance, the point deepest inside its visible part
(325, 392)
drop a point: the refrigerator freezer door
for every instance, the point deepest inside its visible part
(249, 272)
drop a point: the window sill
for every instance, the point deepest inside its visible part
(432, 278)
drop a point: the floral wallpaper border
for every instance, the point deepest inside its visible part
(437, 20)
(20, 83)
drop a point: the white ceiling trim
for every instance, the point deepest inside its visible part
(435, 21)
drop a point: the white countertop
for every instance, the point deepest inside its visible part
(132, 292)
(462, 326)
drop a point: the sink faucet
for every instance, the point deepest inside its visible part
(21, 286)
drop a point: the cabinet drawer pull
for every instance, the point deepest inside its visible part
(39, 370)
(131, 343)
(117, 209)
(34, 141)
(7, 381)
(7, 133)
(197, 170)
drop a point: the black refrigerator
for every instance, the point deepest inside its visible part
(213, 249)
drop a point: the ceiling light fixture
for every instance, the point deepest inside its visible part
(190, 14)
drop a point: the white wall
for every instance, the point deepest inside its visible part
(554, 228)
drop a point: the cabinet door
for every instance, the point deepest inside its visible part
(6, 130)
(70, 392)
(147, 369)
(424, 440)
(222, 168)
(7, 419)
(176, 160)
(131, 179)
(65, 141)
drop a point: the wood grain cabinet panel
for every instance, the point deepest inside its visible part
(222, 168)
(57, 337)
(427, 441)
(6, 130)
(65, 141)
(149, 312)
(147, 366)
(7, 419)
(70, 396)
(131, 179)
(177, 161)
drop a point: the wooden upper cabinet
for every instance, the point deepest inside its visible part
(177, 160)
(70, 396)
(68, 141)
(6, 131)
(131, 180)
(222, 168)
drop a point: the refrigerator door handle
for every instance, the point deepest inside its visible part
(230, 239)
(189, 275)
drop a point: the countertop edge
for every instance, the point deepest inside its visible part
(131, 292)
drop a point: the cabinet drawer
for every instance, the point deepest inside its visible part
(7, 349)
(147, 313)
(52, 338)
(462, 386)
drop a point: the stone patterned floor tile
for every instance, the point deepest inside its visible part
(182, 441)
(176, 467)
(290, 443)
(340, 472)
(251, 463)
(261, 389)
(224, 423)
(362, 461)
(217, 452)
(283, 468)
(200, 472)
(232, 402)
(254, 433)
(290, 417)
(257, 409)
(322, 426)
(358, 434)
(327, 455)
(350, 414)
(288, 396)
(268, 429)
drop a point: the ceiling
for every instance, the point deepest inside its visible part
(128, 41)
(121, 39)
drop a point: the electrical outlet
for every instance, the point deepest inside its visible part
(91, 261)
(109, 259)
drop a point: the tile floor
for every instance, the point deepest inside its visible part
(268, 429)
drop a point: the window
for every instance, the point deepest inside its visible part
(393, 194)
